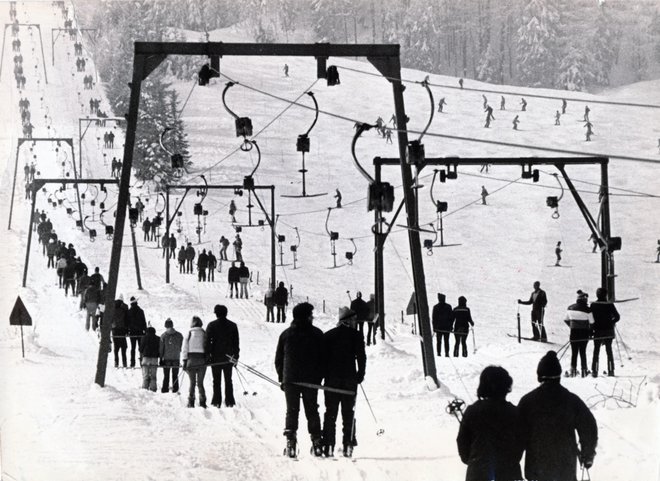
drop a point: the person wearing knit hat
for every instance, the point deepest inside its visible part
(344, 365)
(580, 320)
(551, 415)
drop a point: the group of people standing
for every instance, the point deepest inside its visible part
(446, 320)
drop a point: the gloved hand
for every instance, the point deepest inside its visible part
(161, 363)
(185, 364)
(587, 461)
(360, 377)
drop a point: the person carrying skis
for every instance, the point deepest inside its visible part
(461, 320)
(281, 299)
(137, 326)
(344, 367)
(558, 251)
(551, 415)
(489, 115)
(442, 322)
(233, 278)
(491, 436)
(171, 342)
(538, 299)
(361, 310)
(222, 352)
(605, 318)
(580, 319)
(299, 360)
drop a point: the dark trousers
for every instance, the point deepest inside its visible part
(182, 267)
(579, 347)
(51, 261)
(360, 326)
(167, 367)
(371, 333)
(538, 329)
(281, 311)
(211, 275)
(218, 371)
(270, 314)
(120, 344)
(460, 338)
(440, 336)
(201, 274)
(189, 266)
(292, 394)
(332, 403)
(608, 349)
(69, 283)
(233, 286)
(135, 341)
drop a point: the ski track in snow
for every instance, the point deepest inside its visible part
(55, 423)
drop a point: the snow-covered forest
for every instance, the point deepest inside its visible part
(57, 423)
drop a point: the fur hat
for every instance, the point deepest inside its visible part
(549, 367)
(344, 314)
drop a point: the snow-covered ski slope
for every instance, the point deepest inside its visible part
(55, 423)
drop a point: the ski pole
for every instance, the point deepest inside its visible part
(518, 318)
(348, 293)
(474, 342)
(243, 381)
(623, 343)
(563, 349)
(380, 431)
(616, 340)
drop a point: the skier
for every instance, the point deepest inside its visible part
(120, 330)
(361, 310)
(344, 366)
(171, 342)
(281, 299)
(551, 414)
(371, 320)
(502, 103)
(299, 359)
(190, 256)
(212, 264)
(442, 322)
(238, 248)
(489, 115)
(97, 280)
(586, 113)
(232, 210)
(461, 320)
(165, 244)
(484, 168)
(657, 250)
(243, 279)
(558, 251)
(270, 304)
(594, 239)
(388, 135)
(149, 353)
(441, 104)
(557, 115)
(380, 124)
(605, 318)
(137, 326)
(491, 435)
(538, 299)
(181, 257)
(172, 245)
(515, 123)
(193, 356)
(224, 243)
(233, 279)
(580, 320)
(146, 227)
(222, 351)
(338, 197)
(659, 146)
(564, 104)
(286, 70)
(484, 194)
(589, 132)
(202, 264)
(460, 83)
(523, 104)
(92, 299)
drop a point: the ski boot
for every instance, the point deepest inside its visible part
(291, 449)
(347, 451)
(584, 373)
(317, 449)
(329, 450)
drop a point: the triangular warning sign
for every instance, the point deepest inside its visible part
(412, 306)
(19, 315)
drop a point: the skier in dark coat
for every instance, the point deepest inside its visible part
(190, 257)
(222, 345)
(538, 300)
(299, 359)
(442, 322)
(120, 330)
(181, 257)
(137, 326)
(149, 353)
(461, 320)
(212, 264)
(202, 264)
(361, 310)
(491, 436)
(172, 245)
(146, 227)
(281, 299)
(244, 279)
(605, 318)
(580, 320)
(344, 365)
(233, 277)
(551, 414)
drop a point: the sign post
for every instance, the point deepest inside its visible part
(20, 317)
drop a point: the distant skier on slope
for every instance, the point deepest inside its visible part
(586, 113)
(589, 131)
(557, 115)
(515, 123)
(564, 104)
(442, 103)
(484, 194)
(523, 104)
(558, 251)
(489, 116)
(502, 103)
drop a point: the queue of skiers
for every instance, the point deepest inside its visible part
(446, 320)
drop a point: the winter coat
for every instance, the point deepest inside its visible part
(172, 242)
(96, 279)
(171, 342)
(268, 298)
(120, 319)
(233, 274)
(551, 414)
(491, 441)
(605, 318)
(299, 353)
(580, 320)
(181, 256)
(212, 262)
(442, 317)
(202, 261)
(150, 345)
(61, 264)
(137, 324)
(81, 268)
(165, 241)
(222, 340)
(538, 300)
(146, 225)
(281, 296)
(371, 305)
(343, 348)
(93, 295)
(243, 272)
(190, 253)
(69, 272)
(51, 248)
(461, 319)
(360, 308)
(193, 343)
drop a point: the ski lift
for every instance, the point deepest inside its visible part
(209, 70)
(294, 248)
(440, 208)
(451, 172)
(280, 241)
(109, 230)
(92, 232)
(105, 192)
(334, 236)
(553, 201)
(528, 173)
(416, 153)
(243, 124)
(350, 255)
(177, 161)
(303, 146)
